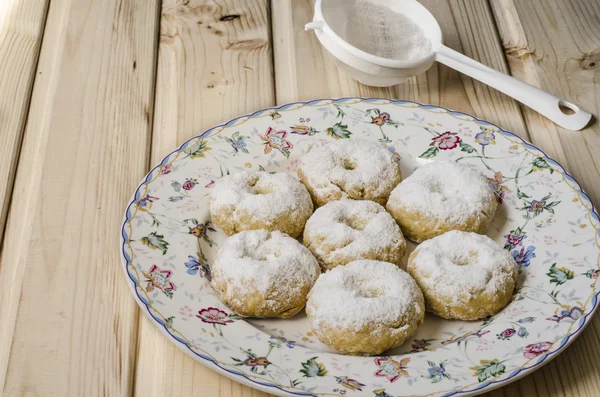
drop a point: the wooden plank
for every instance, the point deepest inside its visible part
(468, 27)
(215, 63)
(21, 28)
(67, 320)
(554, 44)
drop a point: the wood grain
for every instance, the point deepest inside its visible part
(305, 71)
(555, 45)
(110, 98)
(215, 63)
(468, 27)
(67, 320)
(21, 29)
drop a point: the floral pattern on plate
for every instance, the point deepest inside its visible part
(544, 220)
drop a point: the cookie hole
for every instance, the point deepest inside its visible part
(368, 293)
(269, 256)
(466, 260)
(261, 190)
(355, 223)
(258, 189)
(348, 164)
(435, 187)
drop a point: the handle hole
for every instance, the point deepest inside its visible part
(567, 108)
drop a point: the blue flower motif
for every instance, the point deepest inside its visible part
(567, 315)
(176, 186)
(522, 332)
(485, 137)
(436, 371)
(536, 206)
(288, 343)
(143, 202)
(238, 143)
(194, 266)
(524, 256)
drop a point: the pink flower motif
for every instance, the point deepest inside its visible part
(447, 141)
(189, 184)
(506, 334)
(157, 278)
(167, 169)
(391, 369)
(536, 349)
(212, 315)
(277, 140)
(210, 184)
(514, 240)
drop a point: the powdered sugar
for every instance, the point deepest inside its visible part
(346, 230)
(250, 198)
(458, 265)
(270, 262)
(362, 293)
(447, 190)
(378, 29)
(350, 169)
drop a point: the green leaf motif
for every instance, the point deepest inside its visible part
(489, 369)
(559, 275)
(385, 140)
(429, 153)
(311, 368)
(522, 195)
(156, 242)
(465, 147)
(197, 149)
(550, 206)
(338, 131)
(540, 163)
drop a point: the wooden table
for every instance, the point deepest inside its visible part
(93, 92)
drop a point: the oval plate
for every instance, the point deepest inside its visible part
(545, 220)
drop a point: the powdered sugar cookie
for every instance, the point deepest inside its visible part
(346, 230)
(252, 200)
(442, 196)
(465, 276)
(355, 169)
(264, 274)
(365, 307)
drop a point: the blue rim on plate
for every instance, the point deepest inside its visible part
(274, 388)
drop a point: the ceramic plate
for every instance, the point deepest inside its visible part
(545, 221)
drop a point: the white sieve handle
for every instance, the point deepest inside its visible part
(542, 102)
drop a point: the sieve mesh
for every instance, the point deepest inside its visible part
(378, 27)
